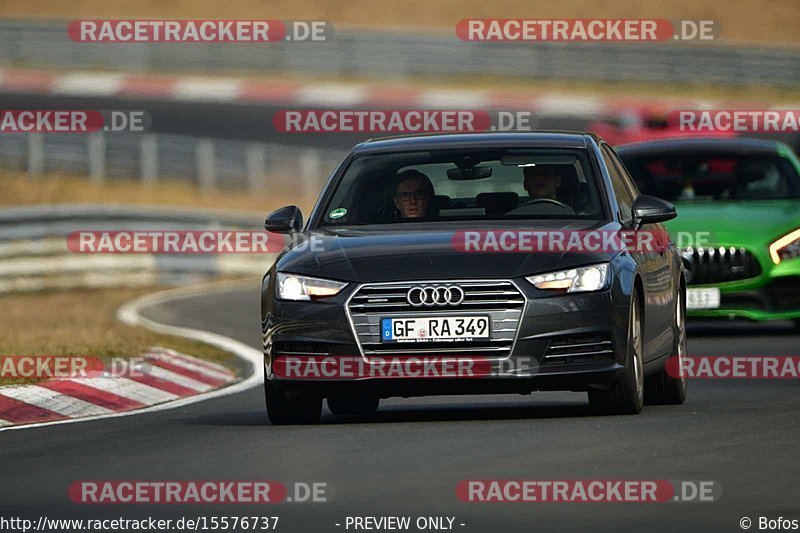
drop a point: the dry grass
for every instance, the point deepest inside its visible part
(19, 189)
(82, 322)
(771, 21)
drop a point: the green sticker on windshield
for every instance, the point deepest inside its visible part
(338, 213)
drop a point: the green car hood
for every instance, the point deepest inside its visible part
(729, 223)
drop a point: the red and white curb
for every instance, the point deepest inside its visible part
(157, 399)
(201, 89)
(162, 375)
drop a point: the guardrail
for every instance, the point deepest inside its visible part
(394, 55)
(209, 163)
(34, 253)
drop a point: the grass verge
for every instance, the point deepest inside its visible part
(83, 323)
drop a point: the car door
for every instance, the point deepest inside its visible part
(659, 267)
(647, 260)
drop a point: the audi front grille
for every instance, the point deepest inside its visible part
(502, 301)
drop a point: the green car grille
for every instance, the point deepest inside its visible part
(718, 265)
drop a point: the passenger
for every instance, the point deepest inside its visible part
(414, 194)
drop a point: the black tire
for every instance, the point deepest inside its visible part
(626, 395)
(797, 325)
(662, 388)
(294, 408)
(362, 406)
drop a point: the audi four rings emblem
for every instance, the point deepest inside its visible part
(435, 295)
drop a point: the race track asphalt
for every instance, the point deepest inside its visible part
(235, 121)
(253, 121)
(408, 459)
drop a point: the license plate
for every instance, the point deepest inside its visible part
(438, 328)
(702, 299)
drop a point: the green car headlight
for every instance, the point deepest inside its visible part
(787, 247)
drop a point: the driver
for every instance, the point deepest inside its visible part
(414, 194)
(541, 181)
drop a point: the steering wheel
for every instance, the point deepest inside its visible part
(548, 201)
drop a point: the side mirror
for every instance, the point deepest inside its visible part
(650, 210)
(287, 219)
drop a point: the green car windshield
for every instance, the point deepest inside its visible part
(708, 177)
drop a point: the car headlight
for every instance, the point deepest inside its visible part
(583, 279)
(787, 247)
(293, 287)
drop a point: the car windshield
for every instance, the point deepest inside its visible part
(688, 177)
(443, 185)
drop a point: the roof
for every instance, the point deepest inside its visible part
(538, 139)
(689, 145)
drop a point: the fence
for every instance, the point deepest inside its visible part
(34, 253)
(209, 163)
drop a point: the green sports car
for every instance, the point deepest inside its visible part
(738, 224)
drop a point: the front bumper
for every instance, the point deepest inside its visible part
(770, 297)
(562, 342)
(572, 380)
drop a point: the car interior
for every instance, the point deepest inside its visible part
(715, 178)
(487, 187)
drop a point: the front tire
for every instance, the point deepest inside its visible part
(626, 395)
(662, 388)
(291, 408)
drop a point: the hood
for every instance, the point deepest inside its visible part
(745, 223)
(427, 252)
